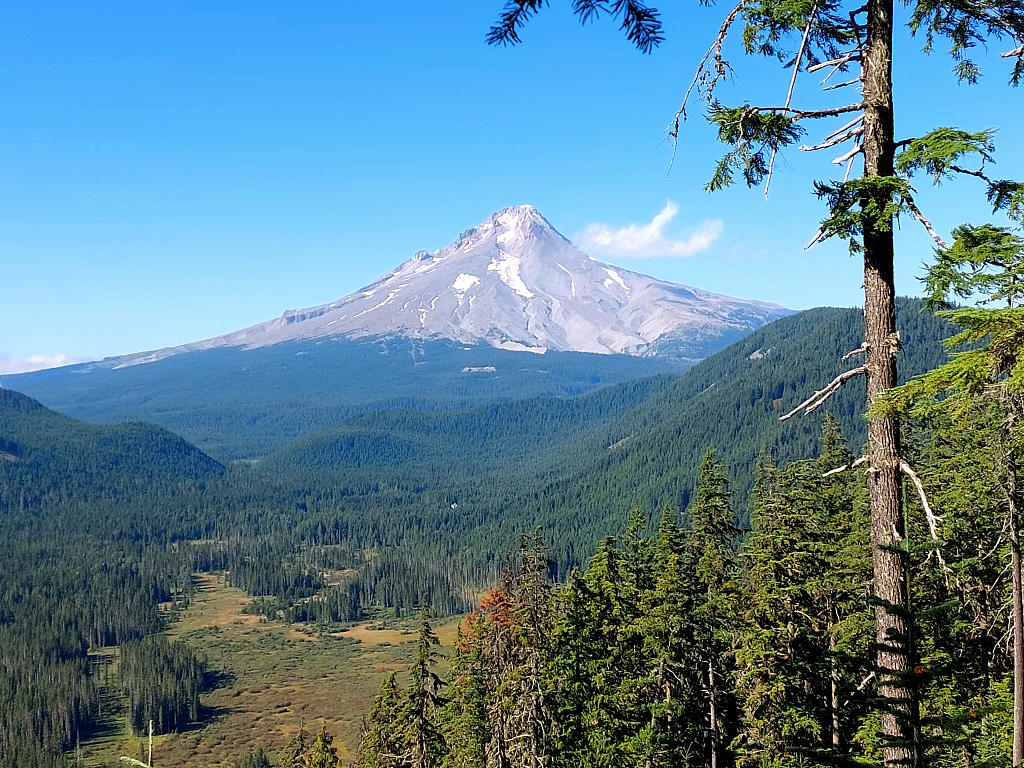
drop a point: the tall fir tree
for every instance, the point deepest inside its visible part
(805, 617)
(382, 743)
(423, 700)
(322, 752)
(982, 389)
(713, 538)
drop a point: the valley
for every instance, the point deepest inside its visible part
(271, 679)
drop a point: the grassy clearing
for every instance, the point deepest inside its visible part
(275, 677)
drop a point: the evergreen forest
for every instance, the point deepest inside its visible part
(731, 618)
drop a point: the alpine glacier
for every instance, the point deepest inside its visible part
(515, 283)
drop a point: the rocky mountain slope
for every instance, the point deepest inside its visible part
(515, 283)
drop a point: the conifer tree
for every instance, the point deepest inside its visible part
(805, 617)
(382, 744)
(465, 722)
(638, 554)
(713, 537)
(323, 753)
(610, 658)
(423, 699)
(964, 588)
(294, 753)
(984, 262)
(665, 620)
(256, 758)
(521, 645)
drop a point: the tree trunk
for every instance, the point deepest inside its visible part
(713, 715)
(893, 622)
(1017, 612)
(659, 681)
(833, 702)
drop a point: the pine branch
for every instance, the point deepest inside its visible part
(721, 65)
(515, 14)
(805, 114)
(978, 173)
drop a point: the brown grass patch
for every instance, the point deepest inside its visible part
(278, 678)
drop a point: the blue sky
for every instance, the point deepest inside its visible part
(173, 171)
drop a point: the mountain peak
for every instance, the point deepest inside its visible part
(508, 227)
(514, 282)
(517, 216)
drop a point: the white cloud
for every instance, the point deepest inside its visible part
(648, 241)
(10, 364)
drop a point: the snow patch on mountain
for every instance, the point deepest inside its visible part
(507, 267)
(462, 284)
(617, 279)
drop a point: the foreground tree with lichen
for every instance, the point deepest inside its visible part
(839, 36)
(985, 263)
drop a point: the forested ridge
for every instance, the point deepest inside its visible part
(121, 516)
(238, 403)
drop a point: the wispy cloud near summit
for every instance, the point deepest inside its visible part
(648, 241)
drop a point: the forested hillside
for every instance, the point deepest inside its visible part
(83, 565)
(570, 465)
(243, 403)
(414, 507)
(48, 453)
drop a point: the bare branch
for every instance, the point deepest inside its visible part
(849, 166)
(926, 224)
(929, 515)
(843, 85)
(854, 352)
(816, 238)
(978, 173)
(857, 119)
(851, 465)
(845, 59)
(816, 400)
(849, 155)
(1015, 53)
(933, 522)
(792, 84)
(865, 681)
(852, 133)
(861, 687)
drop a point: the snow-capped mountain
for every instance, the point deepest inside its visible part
(514, 282)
